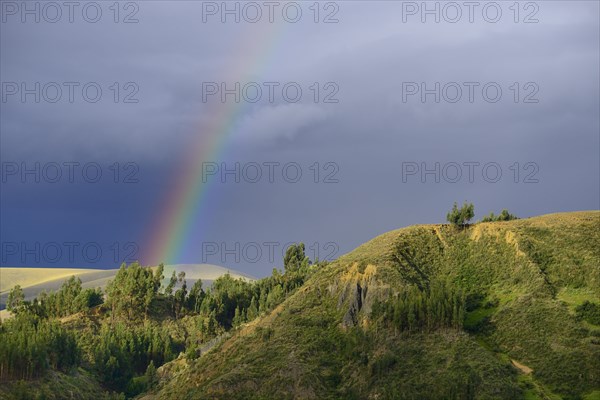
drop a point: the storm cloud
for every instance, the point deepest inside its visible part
(385, 89)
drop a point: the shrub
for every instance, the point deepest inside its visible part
(503, 216)
(589, 311)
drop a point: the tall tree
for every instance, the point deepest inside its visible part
(295, 258)
(159, 276)
(195, 297)
(16, 299)
(180, 294)
(461, 216)
(171, 285)
(132, 291)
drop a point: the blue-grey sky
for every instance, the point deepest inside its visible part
(387, 91)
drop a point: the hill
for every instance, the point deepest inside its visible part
(35, 280)
(492, 311)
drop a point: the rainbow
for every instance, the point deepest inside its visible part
(186, 199)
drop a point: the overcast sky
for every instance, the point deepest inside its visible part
(386, 92)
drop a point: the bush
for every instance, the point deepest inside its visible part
(589, 311)
(503, 216)
(383, 364)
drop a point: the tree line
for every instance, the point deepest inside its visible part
(437, 306)
(30, 345)
(69, 299)
(460, 217)
(137, 316)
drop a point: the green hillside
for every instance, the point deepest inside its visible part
(492, 311)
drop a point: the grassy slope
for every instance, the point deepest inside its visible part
(532, 272)
(56, 385)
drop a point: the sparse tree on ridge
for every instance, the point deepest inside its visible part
(503, 216)
(461, 216)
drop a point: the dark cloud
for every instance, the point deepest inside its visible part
(368, 134)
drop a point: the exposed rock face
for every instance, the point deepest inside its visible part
(356, 302)
(357, 290)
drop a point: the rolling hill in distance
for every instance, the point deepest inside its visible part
(494, 310)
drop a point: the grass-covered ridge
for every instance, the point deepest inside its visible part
(522, 283)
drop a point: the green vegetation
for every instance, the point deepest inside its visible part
(121, 338)
(488, 311)
(16, 299)
(461, 216)
(29, 346)
(589, 312)
(503, 216)
(412, 310)
(69, 299)
(346, 333)
(132, 291)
